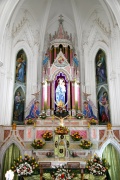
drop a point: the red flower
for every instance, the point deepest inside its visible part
(62, 176)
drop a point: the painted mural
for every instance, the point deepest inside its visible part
(19, 101)
(101, 67)
(103, 106)
(21, 67)
(20, 88)
(102, 88)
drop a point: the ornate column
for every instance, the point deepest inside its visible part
(50, 56)
(55, 52)
(79, 97)
(73, 97)
(48, 98)
(43, 96)
(69, 96)
(66, 52)
(71, 57)
(53, 97)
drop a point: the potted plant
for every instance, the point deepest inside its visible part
(85, 144)
(47, 135)
(76, 136)
(61, 130)
(79, 116)
(38, 144)
(43, 115)
(30, 121)
(93, 121)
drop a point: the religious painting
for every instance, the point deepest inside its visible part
(21, 67)
(19, 88)
(102, 88)
(103, 107)
(18, 110)
(101, 73)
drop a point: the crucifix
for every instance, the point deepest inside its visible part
(61, 119)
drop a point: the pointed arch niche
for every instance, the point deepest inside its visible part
(112, 155)
(20, 87)
(102, 87)
(12, 152)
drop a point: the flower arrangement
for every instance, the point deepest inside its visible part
(63, 174)
(30, 121)
(47, 135)
(61, 130)
(43, 115)
(85, 144)
(76, 136)
(25, 167)
(49, 154)
(97, 166)
(79, 116)
(38, 144)
(93, 121)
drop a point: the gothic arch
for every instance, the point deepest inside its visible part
(8, 144)
(108, 141)
(63, 71)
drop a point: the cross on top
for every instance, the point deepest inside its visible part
(60, 19)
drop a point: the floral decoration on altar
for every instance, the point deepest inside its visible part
(43, 115)
(97, 166)
(30, 121)
(76, 136)
(79, 116)
(25, 167)
(85, 144)
(38, 144)
(62, 173)
(47, 135)
(93, 121)
(61, 130)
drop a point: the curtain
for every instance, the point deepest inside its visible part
(11, 153)
(113, 157)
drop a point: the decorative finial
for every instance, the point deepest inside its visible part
(60, 19)
(109, 126)
(14, 126)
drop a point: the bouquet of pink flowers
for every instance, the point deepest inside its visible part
(97, 166)
(25, 167)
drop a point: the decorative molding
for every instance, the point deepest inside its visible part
(16, 29)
